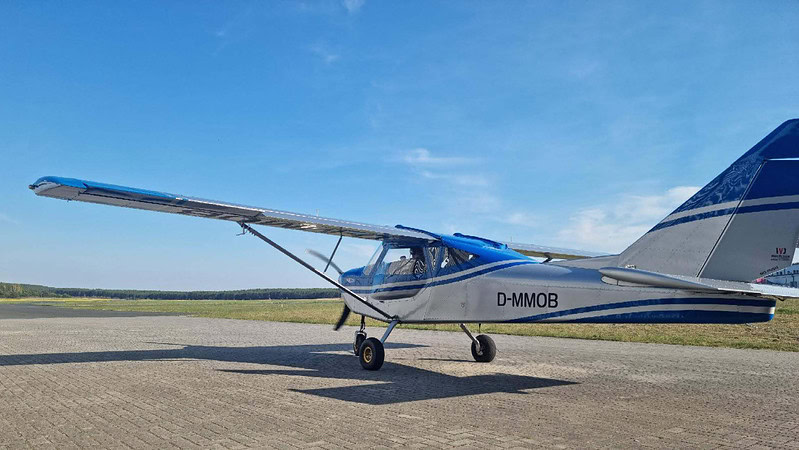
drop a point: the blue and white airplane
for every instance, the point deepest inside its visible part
(695, 266)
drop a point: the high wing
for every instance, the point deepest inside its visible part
(109, 194)
(551, 252)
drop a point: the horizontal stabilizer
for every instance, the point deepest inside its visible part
(652, 279)
(617, 275)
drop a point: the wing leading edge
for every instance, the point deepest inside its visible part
(109, 194)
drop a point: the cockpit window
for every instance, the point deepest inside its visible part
(398, 271)
(453, 260)
(403, 261)
(391, 263)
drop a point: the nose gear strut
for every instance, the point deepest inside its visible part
(360, 336)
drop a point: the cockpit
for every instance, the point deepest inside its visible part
(400, 269)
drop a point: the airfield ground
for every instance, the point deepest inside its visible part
(77, 378)
(782, 333)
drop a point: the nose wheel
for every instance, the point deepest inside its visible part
(372, 354)
(369, 350)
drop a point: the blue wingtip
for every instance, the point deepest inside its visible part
(73, 182)
(85, 184)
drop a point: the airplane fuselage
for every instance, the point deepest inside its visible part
(528, 291)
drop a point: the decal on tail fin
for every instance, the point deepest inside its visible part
(742, 225)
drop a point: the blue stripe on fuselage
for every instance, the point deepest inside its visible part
(686, 316)
(649, 302)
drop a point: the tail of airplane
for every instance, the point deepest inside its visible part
(744, 224)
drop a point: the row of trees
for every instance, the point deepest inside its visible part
(12, 290)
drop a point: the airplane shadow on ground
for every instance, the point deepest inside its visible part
(394, 383)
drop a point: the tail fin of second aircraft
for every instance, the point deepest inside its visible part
(742, 225)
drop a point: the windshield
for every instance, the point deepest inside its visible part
(373, 260)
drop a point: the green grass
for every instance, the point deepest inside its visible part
(782, 333)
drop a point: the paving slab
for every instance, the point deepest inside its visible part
(143, 381)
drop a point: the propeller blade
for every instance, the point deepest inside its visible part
(344, 314)
(325, 259)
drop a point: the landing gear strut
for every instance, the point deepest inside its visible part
(360, 336)
(483, 347)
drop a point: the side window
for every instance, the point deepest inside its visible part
(454, 260)
(435, 255)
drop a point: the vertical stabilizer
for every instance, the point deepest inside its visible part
(740, 226)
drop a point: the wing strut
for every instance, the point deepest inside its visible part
(335, 283)
(330, 260)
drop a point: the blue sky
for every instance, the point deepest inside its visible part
(576, 124)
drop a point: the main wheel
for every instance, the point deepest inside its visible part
(488, 350)
(371, 354)
(359, 338)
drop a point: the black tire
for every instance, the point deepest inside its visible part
(356, 346)
(371, 354)
(488, 350)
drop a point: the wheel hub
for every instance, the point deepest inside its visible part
(367, 354)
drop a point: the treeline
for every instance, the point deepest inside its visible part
(13, 290)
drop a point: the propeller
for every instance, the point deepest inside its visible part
(345, 313)
(325, 259)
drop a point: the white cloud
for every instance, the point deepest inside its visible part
(464, 187)
(475, 202)
(519, 218)
(423, 157)
(5, 218)
(448, 173)
(613, 227)
(323, 52)
(236, 28)
(353, 5)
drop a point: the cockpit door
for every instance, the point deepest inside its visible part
(451, 268)
(401, 271)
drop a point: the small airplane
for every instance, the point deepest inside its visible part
(695, 266)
